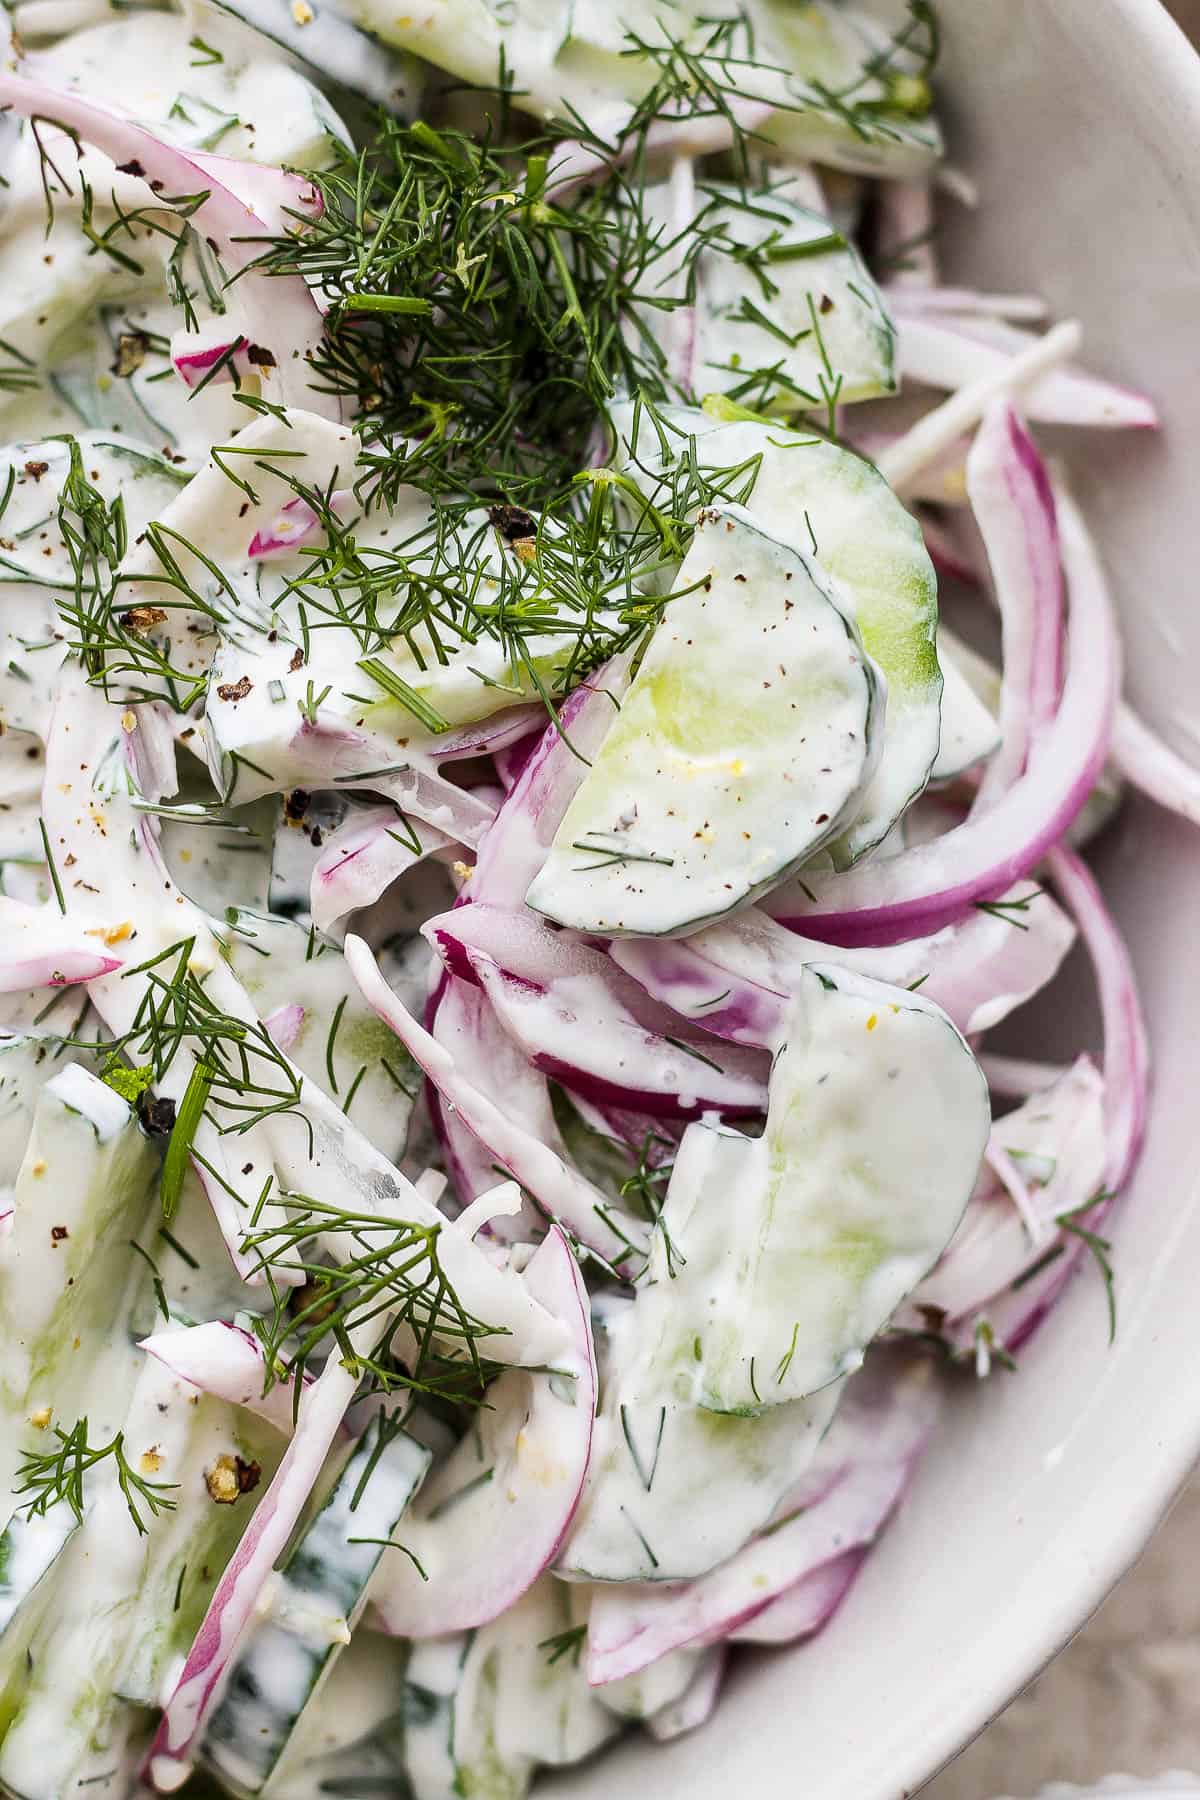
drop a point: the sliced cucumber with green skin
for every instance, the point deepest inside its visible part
(827, 48)
(21, 787)
(26, 1065)
(663, 1683)
(35, 571)
(408, 692)
(29, 1548)
(813, 317)
(319, 1597)
(350, 1741)
(484, 1709)
(579, 58)
(459, 679)
(463, 36)
(264, 109)
(674, 1490)
(877, 1120)
(107, 1587)
(214, 868)
(218, 1447)
(838, 507)
(33, 1551)
(431, 1691)
(84, 1189)
(544, 1708)
(295, 447)
(339, 1041)
(741, 747)
(336, 50)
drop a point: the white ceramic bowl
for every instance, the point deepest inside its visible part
(1124, 1787)
(1080, 120)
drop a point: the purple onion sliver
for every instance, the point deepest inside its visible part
(1014, 506)
(172, 1753)
(277, 311)
(805, 1608)
(920, 890)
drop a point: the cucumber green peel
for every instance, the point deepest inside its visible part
(862, 539)
(877, 1120)
(742, 746)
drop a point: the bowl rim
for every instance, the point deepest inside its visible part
(1117, 1537)
(1069, 1571)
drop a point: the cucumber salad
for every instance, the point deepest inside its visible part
(507, 879)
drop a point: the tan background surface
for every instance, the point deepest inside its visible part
(1126, 1695)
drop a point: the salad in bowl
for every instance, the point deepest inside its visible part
(508, 876)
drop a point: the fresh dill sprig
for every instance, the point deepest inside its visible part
(237, 1078)
(1009, 910)
(646, 1187)
(118, 647)
(54, 1476)
(389, 1267)
(565, 1643)
(1100, 1248)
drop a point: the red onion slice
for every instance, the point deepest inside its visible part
(1014, 506)
(232, 1608)
(922, 889)
(482, 1546)
(567, 1196)
(282, 322)
(866, 1462)
(943, 350)
(1149, 764)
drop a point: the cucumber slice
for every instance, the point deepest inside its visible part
(877, 1120)
(577, 57)
(483, 1709)
(31, 1554)
(242, 101)
(833, 105)
(463, 36)
(319, 1598)
(218, 868)
(822, 497)
(334, 49)
(83, 1190)
(21, 787)
(969, 730)
(108, 1588)
(350, 1742)
(661, 1684)
(339, 1041)
(674, 1490)
(212, 511)
(741, 747)
(795, 322)
(546, 1710)
(29, 1548)
(35, 566)
(431, 1691)
(190, 1546)
(27, 1063)
(465, 680)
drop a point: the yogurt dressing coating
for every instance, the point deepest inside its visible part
(602, 691)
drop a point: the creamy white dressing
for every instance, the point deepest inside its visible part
(784, 713)
(313, 1607)
(743, 745)
(83, 1189)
